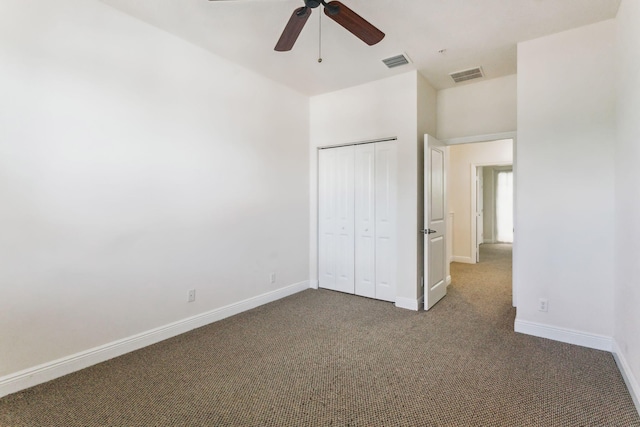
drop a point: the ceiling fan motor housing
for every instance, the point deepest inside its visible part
(312, 3)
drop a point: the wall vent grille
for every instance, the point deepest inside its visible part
(465, 75)
(396, 61)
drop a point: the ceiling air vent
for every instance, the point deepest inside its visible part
(464, 75)
(396, 61)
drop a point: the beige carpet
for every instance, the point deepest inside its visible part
(322, 358)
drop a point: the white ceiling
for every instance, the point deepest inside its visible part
(473, 32)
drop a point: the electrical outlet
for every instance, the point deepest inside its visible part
(272, 278)
(192, 295)
(543, 305)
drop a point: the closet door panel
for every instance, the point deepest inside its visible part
(365, 266)
(336, 219)
(385, 220)
(345, 251)
(327, 223)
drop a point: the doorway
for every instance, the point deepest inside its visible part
(474, 166)
(493, 205)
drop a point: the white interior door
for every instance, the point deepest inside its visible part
(435, 250)
(336, 219)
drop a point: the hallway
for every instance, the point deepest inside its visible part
(487, 285)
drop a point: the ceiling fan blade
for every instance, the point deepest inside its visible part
(356, 24)
(292, 30)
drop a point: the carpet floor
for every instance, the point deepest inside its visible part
(322, 358)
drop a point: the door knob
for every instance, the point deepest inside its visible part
(428, 231)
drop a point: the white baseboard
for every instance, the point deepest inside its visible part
(629, 379)
(314, 284)
(30, 377)
(569, 336)
(408, 303)
(448, 280)
(462, 259)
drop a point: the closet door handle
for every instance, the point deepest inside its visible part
(428, 231)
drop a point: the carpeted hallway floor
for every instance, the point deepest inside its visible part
(322, 358)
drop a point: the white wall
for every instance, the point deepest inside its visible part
(565, 184)
(627, 192)
(480, 108)
(385, 108)
(133, 167)
(427, 104)
(461, 157)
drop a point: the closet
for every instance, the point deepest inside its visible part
(357, 219)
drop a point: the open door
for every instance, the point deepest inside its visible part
(479, 210)
(435, 248)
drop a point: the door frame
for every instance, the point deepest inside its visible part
(494, 137)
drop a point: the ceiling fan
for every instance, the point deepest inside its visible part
(351, 21)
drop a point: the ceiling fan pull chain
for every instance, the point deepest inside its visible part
(319, 37)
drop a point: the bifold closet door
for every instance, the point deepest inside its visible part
(357, 244)
(336, 255)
